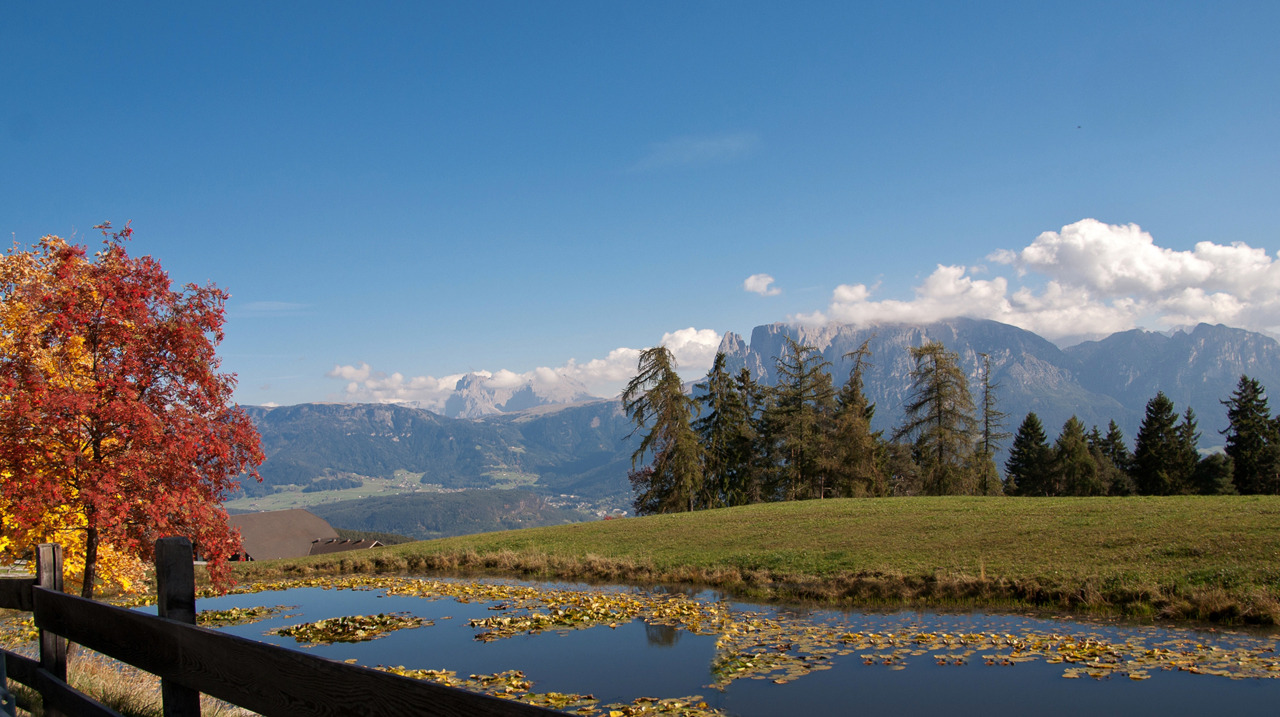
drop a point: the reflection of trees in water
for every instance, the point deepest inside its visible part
(795, 612)
(661, 635)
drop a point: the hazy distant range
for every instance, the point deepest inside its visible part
(571, 443)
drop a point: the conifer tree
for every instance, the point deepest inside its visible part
(748, 486)
(654, 399)
(725, 432)
(1159, 454)
(855, 456)
(992, 433)
(1113, 446)
(1113, 458)
(1188, 451)
(1028, 465)
(939, 420)
(1073, 471)
(1213, 475)
(1252, 440)
(803, 400)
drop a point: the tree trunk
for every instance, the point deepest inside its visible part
(90, 562)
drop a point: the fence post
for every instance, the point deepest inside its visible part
(53, 649)
(8, 704)
(176, 600)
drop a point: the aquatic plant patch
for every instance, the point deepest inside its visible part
(239, 615)
(758, 645)
(351, 628)
(513, 685)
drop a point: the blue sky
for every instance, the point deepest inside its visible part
(426, 189)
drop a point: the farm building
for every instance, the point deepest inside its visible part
(290, 533)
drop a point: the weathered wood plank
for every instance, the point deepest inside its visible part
(176, 600)
(267, 679)
(66, 699)
(53, 649)
(15, 593)
(21, 669)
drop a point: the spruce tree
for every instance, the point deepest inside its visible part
(1113, 446)
(801, 405)
(1188, 452)
(1073, 470)
(722, 421)
(855, 457)
(1159, 453)
(1252, 439)
(939, 419)
(654, 400)
(1028, 465)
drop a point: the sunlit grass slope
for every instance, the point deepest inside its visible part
(1201, 557)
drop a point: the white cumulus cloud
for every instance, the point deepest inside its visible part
(350, 373)
(759, 284)
(1097, 279)
(694, 350)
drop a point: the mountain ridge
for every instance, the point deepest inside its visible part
(583, 448)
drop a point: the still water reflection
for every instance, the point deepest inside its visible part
(748, 659)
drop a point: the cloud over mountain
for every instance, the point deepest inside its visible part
(1097, 279)
(694, 349)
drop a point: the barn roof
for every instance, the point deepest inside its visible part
(323, 547)
(281, 533)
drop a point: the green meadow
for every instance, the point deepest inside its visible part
(1185, 557)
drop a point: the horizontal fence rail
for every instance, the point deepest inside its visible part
(267, 679)
(15, 593)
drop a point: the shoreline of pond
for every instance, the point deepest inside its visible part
(1186, 558)
(874, 593)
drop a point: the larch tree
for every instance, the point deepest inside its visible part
(1252, 441)
(117, 427)
(991, 433)
(656, 403)
(939, 420)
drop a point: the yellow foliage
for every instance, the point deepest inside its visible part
(62, 364)
(67, 528)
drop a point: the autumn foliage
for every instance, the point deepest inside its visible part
(116, 427)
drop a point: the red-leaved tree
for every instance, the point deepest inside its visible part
(115, 416)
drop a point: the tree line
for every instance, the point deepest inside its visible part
(736, 441)
(1165, 460)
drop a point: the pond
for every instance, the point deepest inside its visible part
(703, 655)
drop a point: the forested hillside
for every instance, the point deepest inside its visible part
(578, 449)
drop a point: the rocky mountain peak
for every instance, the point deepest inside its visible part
(482, 394)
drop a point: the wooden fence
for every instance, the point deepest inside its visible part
(190, 660)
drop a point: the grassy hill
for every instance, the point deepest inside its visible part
(436, 515)
(1215, 558)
